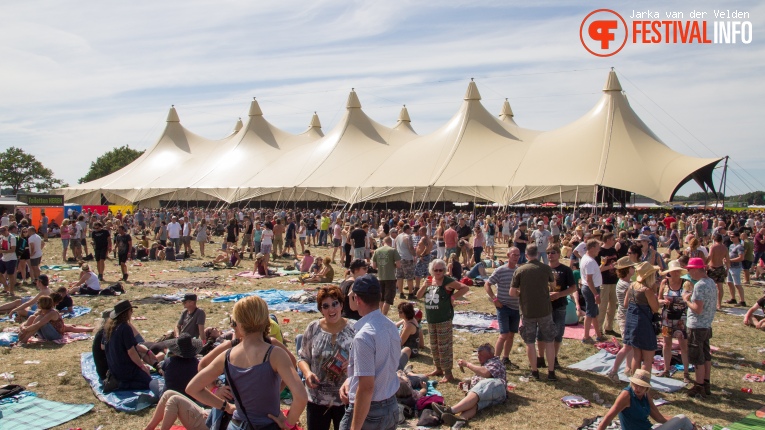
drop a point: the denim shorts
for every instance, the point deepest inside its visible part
(591, 308)
(48, 332)
(508, 319)
(734, 275)
(382, 415)
(490, 392)
(65, 244)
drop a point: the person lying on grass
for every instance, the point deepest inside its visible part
(24, 306)
(68, 328)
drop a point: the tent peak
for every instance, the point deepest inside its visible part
(315, 123)
(612, 84)
(172, 115)
(403, 116)
(506, 110)
(472, 91)
(353, 100)
(238, 126)
(255, 108)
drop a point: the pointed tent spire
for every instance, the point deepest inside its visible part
(172, 115)
(612, 84)
(238, 126)
(472, 91)
(353, 100)
(404, 115)
(315, 123)
(506, 110)
(255, 108)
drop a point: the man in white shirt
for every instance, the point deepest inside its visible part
(8, 261)
(541, 237)
(591, 282)
(35, 251)
(174, 231)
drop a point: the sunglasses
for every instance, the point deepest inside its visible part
(332, 305)
(552, 252)
(438, 270)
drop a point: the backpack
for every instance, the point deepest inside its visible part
(10, 390)
(491, 229)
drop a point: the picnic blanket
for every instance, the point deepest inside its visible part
(8, 338)
(125, 401)
(283, 272)
(196, 269)
(740, 312)
(750, 422)
(602, 362)
(187, 283)
(276, 300)
(575, 332)
(58, 268)
(77, 311)
(66, 339)
(27, 411)
(161, 299)
(475, 322)
(250, 274)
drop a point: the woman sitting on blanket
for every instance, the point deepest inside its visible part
(26, 305)
(261, 266)
(253, 361)
(411, 334)
(121, 348)
(88, 284)
(46, 322)
(326, 273)
(634, 405)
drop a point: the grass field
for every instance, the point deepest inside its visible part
(532, 405)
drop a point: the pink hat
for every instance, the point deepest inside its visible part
(695, 263)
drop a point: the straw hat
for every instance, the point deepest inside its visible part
(645, 270)
(641, 377)
(623, 263)
(674, 266)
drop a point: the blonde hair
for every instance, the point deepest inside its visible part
(251, 314)
(85, 267)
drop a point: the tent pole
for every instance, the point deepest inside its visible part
(439, 198)
(724, 181)
(411, 202)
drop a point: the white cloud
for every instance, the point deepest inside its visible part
(81, 78)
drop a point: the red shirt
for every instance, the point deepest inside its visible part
(668, 221)
(450, 238)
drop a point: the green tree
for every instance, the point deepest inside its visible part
(110, 162)
(20, 171)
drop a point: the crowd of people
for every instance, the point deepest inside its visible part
(350, 369)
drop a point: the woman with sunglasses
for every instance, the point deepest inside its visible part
(440, 312)
(254, 362)
(323, 359)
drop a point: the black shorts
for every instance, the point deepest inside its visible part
(88, 291)
(83, 242)
(100, 254)
(122, 257)
(388, 291)
(699, 351)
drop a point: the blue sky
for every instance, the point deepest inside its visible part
(79, 78)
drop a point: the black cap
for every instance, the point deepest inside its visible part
(357, 264)
(367, 284)
(120, 307)
(192, 297)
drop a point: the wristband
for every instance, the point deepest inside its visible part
(495, 299)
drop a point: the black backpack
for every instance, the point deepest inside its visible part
(10, 390)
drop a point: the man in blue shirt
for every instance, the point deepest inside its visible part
(370, 389)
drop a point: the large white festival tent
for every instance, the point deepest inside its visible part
(475, 157)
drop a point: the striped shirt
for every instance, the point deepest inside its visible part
(502, 277)
(375, 352)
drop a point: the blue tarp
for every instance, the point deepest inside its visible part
(603, 361)
(125, 401)
(276, 300)
(77, 311)
(27, 411)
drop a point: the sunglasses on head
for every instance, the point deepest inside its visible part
(332, 305)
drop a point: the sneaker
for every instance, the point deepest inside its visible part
(124, 277)
(707, 388)
(101, 278)
(534, 374)
(613, 333)
(742, 304)
(451, 419)
(557, 365)
(551, 376)
(509, 364)
(731, 302)
(401, 296)
(440, 409)
(411, 297)
(588, 341)
(696, 391)
(408, 368)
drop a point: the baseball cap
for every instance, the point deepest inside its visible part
(366, 284)
(542, 223)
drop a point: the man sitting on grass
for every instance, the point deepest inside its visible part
(750, 319)
(487, 388)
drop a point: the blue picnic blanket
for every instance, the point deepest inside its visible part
(77, 311)
(6, 339)
(603, 361)
(27, 411)
(125, 401)
(276, 300)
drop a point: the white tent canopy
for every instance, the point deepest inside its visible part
(475, 156)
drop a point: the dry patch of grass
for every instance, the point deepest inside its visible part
(532, 405)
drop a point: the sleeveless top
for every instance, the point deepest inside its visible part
(635, 416)
(258, 403)
(438, 303)
(413, 341)
(92, 282)
(677, 309)
(456, 269)
(521, 246)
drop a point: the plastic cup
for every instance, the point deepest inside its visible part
(286, 320)
(746, 390)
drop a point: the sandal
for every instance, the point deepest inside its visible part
(664, 374)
